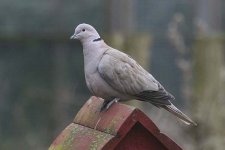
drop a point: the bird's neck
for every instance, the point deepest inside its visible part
(93, 51)
(97, 39)
(92, 45)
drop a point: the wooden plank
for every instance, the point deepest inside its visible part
(78, 137)
(139, 138)
(109, 121)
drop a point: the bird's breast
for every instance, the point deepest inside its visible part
(98, 86)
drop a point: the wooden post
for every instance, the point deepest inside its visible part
(208, 92)
(209, 76)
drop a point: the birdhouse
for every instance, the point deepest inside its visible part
(121, 127)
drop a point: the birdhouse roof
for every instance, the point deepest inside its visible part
(109, 130)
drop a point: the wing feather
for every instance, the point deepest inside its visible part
(123, 73)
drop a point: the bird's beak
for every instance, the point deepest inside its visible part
(73, 37)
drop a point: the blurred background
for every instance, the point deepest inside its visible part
(42, 85)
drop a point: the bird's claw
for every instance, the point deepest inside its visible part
(107, 103)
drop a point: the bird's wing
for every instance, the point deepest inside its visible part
(125, 75)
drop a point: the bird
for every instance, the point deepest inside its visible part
(115, 76)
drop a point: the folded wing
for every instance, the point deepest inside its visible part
(123, 74)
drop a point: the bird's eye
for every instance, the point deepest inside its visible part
(83, 30)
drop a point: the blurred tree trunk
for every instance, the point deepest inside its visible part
(208, 92)
(121, 23)
(209, 77)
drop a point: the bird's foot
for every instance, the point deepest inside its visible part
(107, 103)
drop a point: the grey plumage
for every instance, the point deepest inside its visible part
(112, 75)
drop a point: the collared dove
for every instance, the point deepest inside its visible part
(114, 75)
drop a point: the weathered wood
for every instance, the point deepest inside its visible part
(109, 122)
(121, 127)
(78, 137)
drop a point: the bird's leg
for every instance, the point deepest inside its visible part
(107, 103)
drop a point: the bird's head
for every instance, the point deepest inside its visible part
(85, 32)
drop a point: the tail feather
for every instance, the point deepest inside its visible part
(175, 111)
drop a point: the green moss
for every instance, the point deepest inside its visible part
(56, 147)
(99, 138)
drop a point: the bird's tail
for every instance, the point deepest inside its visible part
(175, 111)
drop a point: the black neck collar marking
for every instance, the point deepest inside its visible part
(98, 39)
